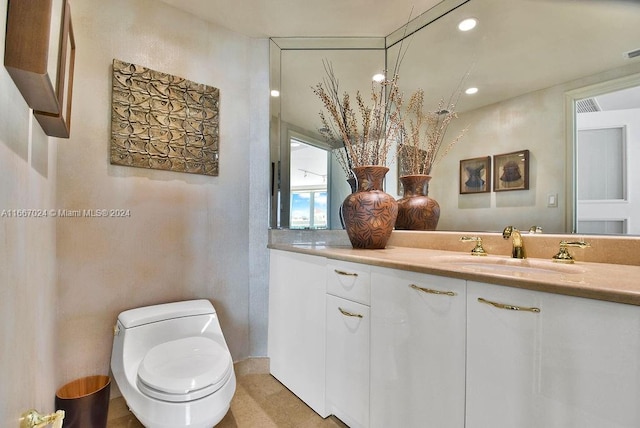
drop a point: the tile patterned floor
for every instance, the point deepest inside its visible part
(260, 401)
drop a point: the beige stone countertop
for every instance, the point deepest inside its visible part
(602, 281)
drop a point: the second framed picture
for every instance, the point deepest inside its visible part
(511, 171)
(475, 175)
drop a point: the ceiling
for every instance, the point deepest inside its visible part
(380, 18)
(304, 18)
(619, 100)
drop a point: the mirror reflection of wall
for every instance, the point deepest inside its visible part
(520, 103)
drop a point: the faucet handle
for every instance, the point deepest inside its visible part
(563, 255)
(477, 250)
(508, 231)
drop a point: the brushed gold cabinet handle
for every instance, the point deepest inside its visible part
(341, 272)
(508, 307)
(432, 291)
(349, 314)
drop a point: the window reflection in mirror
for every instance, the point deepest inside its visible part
(309, 171)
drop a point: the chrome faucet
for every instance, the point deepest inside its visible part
(516, 239)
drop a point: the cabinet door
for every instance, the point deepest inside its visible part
(573, 364)
(417, 350)
(348, 361)
(296, 344)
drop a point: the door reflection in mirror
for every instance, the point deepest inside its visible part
(608, 147)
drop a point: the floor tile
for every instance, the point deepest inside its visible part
(260, 401)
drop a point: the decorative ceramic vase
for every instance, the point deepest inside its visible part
(416, 210)
(369, 213)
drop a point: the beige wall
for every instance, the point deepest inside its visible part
(188, 236)
(27, 256)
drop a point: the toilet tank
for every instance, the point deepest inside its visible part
(138, 330)
(168, 311)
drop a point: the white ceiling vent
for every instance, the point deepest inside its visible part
(633, 54)
(587, 105)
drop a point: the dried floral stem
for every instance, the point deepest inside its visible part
(426, 131)
(366, 132)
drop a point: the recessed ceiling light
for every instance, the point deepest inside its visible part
(471, 91)
(275, 93)
(467, 24)
(378, 77)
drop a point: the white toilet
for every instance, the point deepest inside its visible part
(172, 365)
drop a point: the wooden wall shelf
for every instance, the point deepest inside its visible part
(40, 53)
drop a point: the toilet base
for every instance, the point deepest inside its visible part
(205, 412)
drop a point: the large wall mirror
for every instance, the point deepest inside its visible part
(536, 63)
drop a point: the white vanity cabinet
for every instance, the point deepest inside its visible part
(348, 332)
(576, 363)
(381, 347)
(297, 328)
(417, 350)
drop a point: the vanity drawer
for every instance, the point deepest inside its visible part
(348, 280)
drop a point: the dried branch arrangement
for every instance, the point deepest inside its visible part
(422, 148)
(366, 132)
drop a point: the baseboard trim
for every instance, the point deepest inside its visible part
(252, 365)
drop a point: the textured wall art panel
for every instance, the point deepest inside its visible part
(162, 121)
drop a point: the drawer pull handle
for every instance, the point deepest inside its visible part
(508, 307)
(349, 314)
(341, 272)
(432, 291)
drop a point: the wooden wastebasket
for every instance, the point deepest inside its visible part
(85, 402)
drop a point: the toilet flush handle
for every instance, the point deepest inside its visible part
(116, 330)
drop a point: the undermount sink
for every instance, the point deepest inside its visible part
(509, 266)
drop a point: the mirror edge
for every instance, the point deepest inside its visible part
(422, 20)
(274, 134)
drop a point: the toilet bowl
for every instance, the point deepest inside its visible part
(172, 365)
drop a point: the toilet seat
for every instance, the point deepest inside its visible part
(184, 369)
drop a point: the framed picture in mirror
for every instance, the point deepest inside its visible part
(511, 171)
(475, 175)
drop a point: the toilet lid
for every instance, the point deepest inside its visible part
(190, 368)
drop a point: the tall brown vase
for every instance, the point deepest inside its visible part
(416, 210)
(369, 213)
